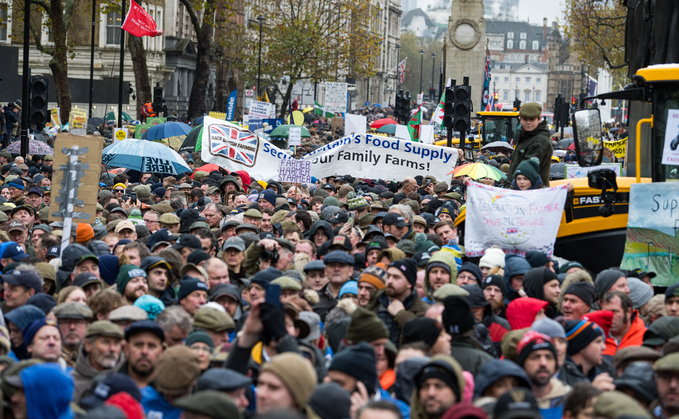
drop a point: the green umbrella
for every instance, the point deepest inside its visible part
(387, 129)
(111, 117)
(282, 131)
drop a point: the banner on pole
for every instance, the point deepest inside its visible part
(295, 136)
(139, 23)
(261, 109)
(517, 221)
(335, 97)
(231, 105)
(652, 240)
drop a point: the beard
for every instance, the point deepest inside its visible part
(540, 381)
(142, 371)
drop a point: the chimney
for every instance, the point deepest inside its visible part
(544, 30)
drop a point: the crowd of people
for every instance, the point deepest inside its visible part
(216, 295)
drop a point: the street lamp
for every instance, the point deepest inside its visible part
(433, 64)
(259, 62)
(421, 67)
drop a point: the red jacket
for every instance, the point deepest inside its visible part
(633, 337)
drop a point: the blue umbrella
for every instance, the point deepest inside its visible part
(198, 121)
(144, 156)
(166, 130)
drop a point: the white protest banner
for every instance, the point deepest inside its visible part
(260, 109)
(354, 124)
(295, 171)
(574, 171)
(375, 157)
(295, 136)
(652, 240)
(517, 221)
(427, 134)
(402, 132)
(335, 97)
(234, 148)
(670, 151)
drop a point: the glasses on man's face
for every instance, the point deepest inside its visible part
(150, 221)
(119, 190)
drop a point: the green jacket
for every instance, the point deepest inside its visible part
(416, 409)
(468, 355)
(536, 143)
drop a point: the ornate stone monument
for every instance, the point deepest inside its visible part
(466, 52)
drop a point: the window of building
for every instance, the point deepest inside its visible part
(3, 22)
(506, 96)
(527, 79)
(527, 97)
(510, 35)
(536, 45)
(537, 96)
(507, 67)
(159, 26)
(518, 79)
(522, 45)
(537, 80)
(506, 79)
(523, 35)
(113, 28)
(510, 44)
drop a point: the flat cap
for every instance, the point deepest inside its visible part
(338, 256)
(667, 363)
(252, 213)
(169, 218)
(211, 403)
(222, 379)
(213, 320)
(73, 311)
(449, 290)
(104, 328)
(286, 244)
(128, 313)
(287, 283)
(530, 110)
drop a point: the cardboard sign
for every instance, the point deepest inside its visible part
(295, 171)
(77, 121)
(295, 136)
(55, 117)
(89, 184)
(652, 240)
(337, 122)
(261, 109)
(670, 151)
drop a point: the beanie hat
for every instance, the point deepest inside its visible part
(568, 265)
(365, 326)
(639, 292)
(472, 269)
(375, 276)
(187, 285)
(549, 327)
(530, 110)
(30, 330)
(605, 280)
(153, 306)
(581, 333)
(125, 273)
(533, 341)
(350, 287)
(176, 368)
(437, 264)
(408, 267)
(537, 259)
(24, 315)
(269, 195)
(496, 280)
(199, 336)
(457, 316)
(357, 202)
(603, 318)
(108, 268)
(359, 362)
(583, 290)
(443, 371)
(84, 232)
(422, 329)
(331, 401)
(296, 373)
(529, 168)
(492, 258)
(263, 278)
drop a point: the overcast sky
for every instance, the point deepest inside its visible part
(536, 10)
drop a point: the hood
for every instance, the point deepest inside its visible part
(521, 312)
(277, 184)
(514, 265)
(99, 248)
(493, 370)
(405, 377)
(416, 410)
(537, 185)
(534, 282)
(318, 224)
(449, 259)
(49, 390)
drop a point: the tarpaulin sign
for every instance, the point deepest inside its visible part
(517, 221)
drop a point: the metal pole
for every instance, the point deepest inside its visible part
(433, 64)
(94, 19)
(122, 68)
(421, 68)
(26, 83)
(259, 62)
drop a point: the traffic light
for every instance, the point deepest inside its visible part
(406, 107)
(158, 100)
(39, 115)
(497, 96)
(449, 108)
(573, 100)
(517, 104)
(462, 97)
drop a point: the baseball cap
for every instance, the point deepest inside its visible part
(187, 240)
(28, 279)
(15, 225)
(84, 279)
(234, 243)
(15, 252)
(123, 225)
(394, 219)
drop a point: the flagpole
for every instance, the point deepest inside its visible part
(122, 68)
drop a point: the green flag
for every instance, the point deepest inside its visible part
(414, 125)
(320, 110)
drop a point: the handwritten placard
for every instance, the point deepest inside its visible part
(295, 136)
(295, 171)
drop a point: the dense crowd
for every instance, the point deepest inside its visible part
(216, 295)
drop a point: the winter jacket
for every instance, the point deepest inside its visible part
(514, 265)
(83, 373)
(442, 257)
(156, 405)
(495, 369)
(534, 286)
(536, 143)
(633, 337)
(571, 374)
(10, 119)
(48, 391)
(414, 307)
(468, 355)
(551, 405)
(416, 409)
(326, 302)
(522, 311)
(405, 376)
(539, 184)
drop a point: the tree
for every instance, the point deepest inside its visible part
(314, 40)
(141, 72)
(411, 46)
(597, 32)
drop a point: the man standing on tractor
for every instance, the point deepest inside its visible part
(534, 141)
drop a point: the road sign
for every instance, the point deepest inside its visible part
(249, 93)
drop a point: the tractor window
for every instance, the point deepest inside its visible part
(500, 129)
(666, 98)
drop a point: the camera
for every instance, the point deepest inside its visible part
(270, 256)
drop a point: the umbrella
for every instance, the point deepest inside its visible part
(111, 117)
(174, 142)
(498, 145)
(97, 121)
(117, 170)
(206, 168)
(571, 147)
(381, 122)
(309, 118)
(144, 156)
(282, 131)
(387, 129)
(191, 142)
(559, 153)
(34, 147)
(377, 105)
(198, 121)
(614, 129)
(564, 143)
(307, 110)
(478, 171)
(168, 129)
(557, 171)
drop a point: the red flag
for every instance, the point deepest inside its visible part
(139, 23)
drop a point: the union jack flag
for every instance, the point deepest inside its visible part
(224, 147)
(402, 71)
(512, 230)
